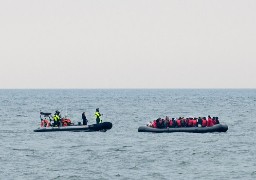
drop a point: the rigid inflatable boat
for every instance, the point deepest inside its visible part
(215, 128)
(78, 128)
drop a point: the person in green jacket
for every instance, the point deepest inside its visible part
(98, 116)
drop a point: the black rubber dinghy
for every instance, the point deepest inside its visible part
(78, 128)
(215, 128)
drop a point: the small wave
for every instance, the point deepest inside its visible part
(33, 156)
(21, 115)
(25, 149)
(183, 163)
(10, 132)
(134, 168)
(126, 146)
(120, 150)
(76, 146)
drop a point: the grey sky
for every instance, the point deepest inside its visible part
(128, 44)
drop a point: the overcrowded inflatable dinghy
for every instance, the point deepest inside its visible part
(215, 128)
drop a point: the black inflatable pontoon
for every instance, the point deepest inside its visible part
(215, 128)
(78, 128)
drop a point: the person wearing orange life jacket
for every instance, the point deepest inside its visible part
(154, 124)
(209, 121)
(215, 120)
(171, 123)
(194, 122)
(204, 122)
(189, 122)
(178, 122)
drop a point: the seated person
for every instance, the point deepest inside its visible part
(199, 122)
(204, 122)
(209, 121)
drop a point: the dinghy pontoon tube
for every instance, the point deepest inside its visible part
(215, 128)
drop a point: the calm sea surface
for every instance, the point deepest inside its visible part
(122, 152)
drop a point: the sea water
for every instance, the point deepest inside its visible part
(123, 152)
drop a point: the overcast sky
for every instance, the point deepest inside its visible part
(128, 44)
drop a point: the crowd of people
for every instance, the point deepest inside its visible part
(184, 122)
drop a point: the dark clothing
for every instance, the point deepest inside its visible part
(84, 119)
(56, 119)
(174, 123)
(160, 124)
(183, 123)
(215, 120)
(56, 123)
(200, 121)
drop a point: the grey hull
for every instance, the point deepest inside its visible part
(94, 127)
(215, 128)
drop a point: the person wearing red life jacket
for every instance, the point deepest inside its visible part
(178, 122)
(209, 121)
(194, 122)
(154, 124)
(204, 122)
(171, 123)
(190, 122)
(215, 120)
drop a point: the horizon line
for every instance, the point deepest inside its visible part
(201, 88)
